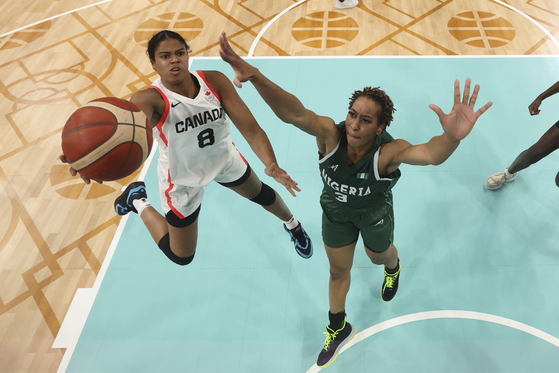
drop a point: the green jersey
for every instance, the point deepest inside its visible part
(357, 188)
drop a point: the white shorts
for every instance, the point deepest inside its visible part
(184, 200)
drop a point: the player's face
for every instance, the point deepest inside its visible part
(362, 124)
(171, 61)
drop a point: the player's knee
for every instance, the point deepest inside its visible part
(165, 246)
(266, 197)
(339, 273)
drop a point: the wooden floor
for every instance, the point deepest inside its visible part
(54, 230)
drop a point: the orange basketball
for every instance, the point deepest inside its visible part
(107, 139)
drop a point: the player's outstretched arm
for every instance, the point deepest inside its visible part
(247, 125)
(286, 106)
(457, 124)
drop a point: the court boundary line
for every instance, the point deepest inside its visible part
(538, 25)
(54, 17)
(82, 303)
(444, 314)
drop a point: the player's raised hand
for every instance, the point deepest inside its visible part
(243, 70)
(461, 119)
(282, 177)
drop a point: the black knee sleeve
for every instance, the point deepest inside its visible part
(266, 197)
(166, 248)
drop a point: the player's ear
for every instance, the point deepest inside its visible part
(152, 64)
(381, 127)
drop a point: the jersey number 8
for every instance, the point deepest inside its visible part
(206, 138)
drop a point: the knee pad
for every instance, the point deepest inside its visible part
(266, 197)
(166, 248)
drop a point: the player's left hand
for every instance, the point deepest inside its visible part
(74, 172)
(459, 122)
(243, 70)
(283, 178)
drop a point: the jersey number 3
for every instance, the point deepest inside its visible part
(206, 138)
(341, 197)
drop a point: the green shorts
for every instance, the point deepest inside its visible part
(342, 229)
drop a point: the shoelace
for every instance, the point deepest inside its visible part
(390, 278)
(329, 338)
(297, 236)
(389, 281)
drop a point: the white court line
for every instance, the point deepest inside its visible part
(74, 321)
(444, 314)
(54, 17)
(253, 46)
(531, 20)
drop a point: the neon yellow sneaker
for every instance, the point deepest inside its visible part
(390, 284)
(335, 340)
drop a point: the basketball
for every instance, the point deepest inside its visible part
(107, 139)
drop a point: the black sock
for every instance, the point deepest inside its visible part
(393, 270)
(336, 320)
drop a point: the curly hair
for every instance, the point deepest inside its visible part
(380, 97)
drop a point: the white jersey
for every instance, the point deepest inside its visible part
(193, 134)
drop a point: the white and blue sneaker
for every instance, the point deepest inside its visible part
(123, 203)
(301, 239)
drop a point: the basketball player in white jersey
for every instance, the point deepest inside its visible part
(189, 112)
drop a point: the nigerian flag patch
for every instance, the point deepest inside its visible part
(362, 176)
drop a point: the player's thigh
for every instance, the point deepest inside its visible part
(340, 259)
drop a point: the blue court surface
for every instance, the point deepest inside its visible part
(480, 269)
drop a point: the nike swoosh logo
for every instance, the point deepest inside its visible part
(175, 104)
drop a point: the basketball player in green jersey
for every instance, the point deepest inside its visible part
(359, 164)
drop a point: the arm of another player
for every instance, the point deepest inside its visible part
(245, 122)
(286, 106)
(456, 125)
(534, 107)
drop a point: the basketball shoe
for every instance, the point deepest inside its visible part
(302, 241)
(335, 340)
(346, 4)
(497, 180)
(123, 203)
(390, 283)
